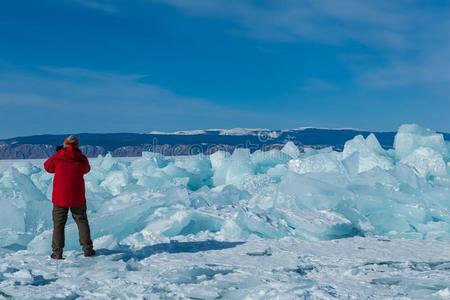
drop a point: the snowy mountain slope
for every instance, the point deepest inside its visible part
(186, 142)
(189, 142)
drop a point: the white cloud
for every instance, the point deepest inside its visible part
(429, 67)
(377, 23)
(318, 85)
(105, 96)
(410, 38)
(104, 6)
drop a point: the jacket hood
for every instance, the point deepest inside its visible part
(70, 153)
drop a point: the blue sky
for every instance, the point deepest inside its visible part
(143, 65)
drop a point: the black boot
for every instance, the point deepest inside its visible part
(89, 252)
(56, 255)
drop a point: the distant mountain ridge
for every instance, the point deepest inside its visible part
(187, 142)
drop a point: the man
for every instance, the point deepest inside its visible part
(69, 166)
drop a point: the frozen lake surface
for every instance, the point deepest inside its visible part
(352, 268)
(364, 223)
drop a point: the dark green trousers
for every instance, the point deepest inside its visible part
(59, 223)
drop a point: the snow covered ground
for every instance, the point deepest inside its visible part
(352, 268)
(362, 223)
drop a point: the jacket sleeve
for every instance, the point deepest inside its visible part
(86, 166)
(49, 165)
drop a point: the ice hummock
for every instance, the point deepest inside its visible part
(364, 190)
(411, 137)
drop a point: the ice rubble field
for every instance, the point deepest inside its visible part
(256, 226)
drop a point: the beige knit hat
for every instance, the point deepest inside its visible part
(71, 140)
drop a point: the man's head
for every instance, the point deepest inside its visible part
(71, 140)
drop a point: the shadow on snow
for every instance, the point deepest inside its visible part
(172, 247)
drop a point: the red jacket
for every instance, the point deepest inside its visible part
(69, 166)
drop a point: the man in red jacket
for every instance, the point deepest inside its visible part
(69, 166)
